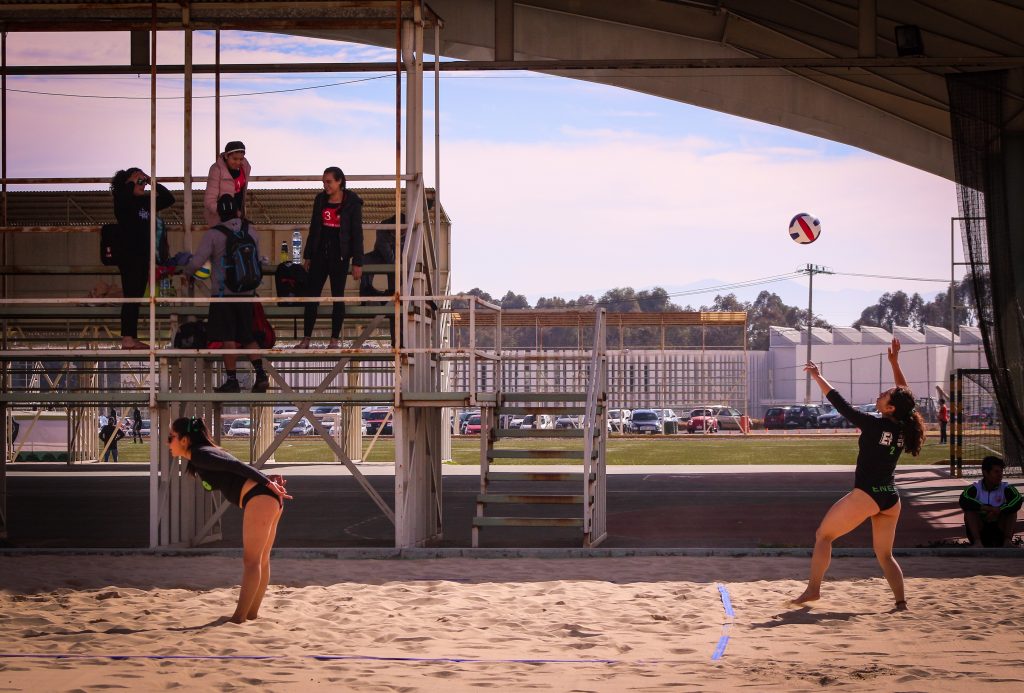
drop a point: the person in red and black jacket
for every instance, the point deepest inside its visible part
(131, 208)
(335, 241)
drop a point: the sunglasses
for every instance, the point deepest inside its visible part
(142, 181)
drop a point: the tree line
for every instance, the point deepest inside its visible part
(766, 310)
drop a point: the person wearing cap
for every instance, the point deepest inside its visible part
(335, 241)
(131, 208)
(229, 175)
(228, 323)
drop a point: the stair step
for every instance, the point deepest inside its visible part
(542, 433)
(549, 409)
(537, 476)
(527, 521)
(530, 499)
(537, 454)
(544, 396)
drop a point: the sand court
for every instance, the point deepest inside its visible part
(605, 624)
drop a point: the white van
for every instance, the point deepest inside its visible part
(537, 421)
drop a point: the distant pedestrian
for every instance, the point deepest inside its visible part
(109, 435)
(943, 420)
(136, 425)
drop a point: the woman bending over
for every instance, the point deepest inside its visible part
(260, 497)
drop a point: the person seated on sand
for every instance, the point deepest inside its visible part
(990, 506)
(261, 498)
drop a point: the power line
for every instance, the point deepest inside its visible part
(209, 96)
(885, 276)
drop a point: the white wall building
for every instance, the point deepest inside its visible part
(854, 360)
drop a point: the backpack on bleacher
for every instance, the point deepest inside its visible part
(242, 270)
(191, 335)
(290, 280)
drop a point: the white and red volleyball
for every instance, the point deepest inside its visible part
(804, 228)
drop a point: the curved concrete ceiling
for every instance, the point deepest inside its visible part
(896, 110)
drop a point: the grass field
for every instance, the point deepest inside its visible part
(681, 450)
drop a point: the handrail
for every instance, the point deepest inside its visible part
(590, 418)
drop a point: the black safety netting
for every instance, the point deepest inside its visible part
(979, 118)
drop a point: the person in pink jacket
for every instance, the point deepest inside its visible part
(229, 175)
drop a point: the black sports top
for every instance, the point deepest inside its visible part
(220, 471)
(880, 443)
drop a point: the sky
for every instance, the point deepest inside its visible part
(555, 187)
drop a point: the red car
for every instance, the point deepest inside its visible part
(473, 425)
(702, 420)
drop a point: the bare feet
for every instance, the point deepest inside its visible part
(901, 605)
(235, 618)
(334, 344)
(809, 595)
(303, 344)
(133, 343)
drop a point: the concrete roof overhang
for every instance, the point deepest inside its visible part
(827, 68)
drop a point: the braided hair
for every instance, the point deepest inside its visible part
(909, 418)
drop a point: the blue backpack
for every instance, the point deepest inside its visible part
(242, 270)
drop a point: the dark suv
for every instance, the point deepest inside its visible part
(803, 416)
(775, 417)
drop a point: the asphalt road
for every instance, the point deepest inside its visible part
(685, 509)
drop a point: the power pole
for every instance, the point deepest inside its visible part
(811, 270)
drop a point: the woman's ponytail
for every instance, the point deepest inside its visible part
(902, 399)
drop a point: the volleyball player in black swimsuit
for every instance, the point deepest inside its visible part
(260, 497)
(874, 493)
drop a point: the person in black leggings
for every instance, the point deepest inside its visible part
(335, 241)
(261, 498)
(874, 495)
(131, 208)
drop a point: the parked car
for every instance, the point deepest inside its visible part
(568, 422)
(833, 419)
(729, 418)
(333, 432)
(775, 417)
(646, 421)
(702, 420)
(537, 422)
(144, 430)
(668, 415)
(803, 416)
(516, 421)
(322, 410)
(374, 418)
(473, 425)
(285, 410)
(618, 420)
(240, 427)
(463, 418)
(302, 428)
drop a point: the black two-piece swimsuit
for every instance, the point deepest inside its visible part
(220, 471)
(880, 445)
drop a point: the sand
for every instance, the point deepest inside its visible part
(599, 624)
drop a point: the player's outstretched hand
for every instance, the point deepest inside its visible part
(894, 350)
(811, 368)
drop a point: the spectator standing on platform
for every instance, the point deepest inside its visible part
(228, 323)
(132, 209)
(229, 175)
(335, 241)
(990, 506)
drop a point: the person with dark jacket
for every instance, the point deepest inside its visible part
(335, 241)
(260, 497)
(136, 425)
(132, 209)
(109, 435)
(383, 253)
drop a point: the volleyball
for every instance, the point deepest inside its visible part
(804, 228)
(203, 272)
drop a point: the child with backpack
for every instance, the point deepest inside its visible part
(231, 247)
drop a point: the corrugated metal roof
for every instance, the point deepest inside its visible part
(559, 317)
(264, 206)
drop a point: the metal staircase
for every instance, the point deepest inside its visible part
(537, 498)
